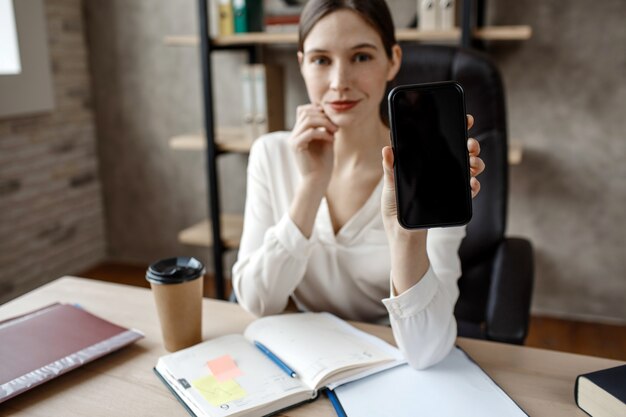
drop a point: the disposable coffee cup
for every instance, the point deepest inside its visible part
(177, 287)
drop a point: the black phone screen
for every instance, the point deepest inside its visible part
(429, 138)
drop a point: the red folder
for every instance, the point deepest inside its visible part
(43, 344)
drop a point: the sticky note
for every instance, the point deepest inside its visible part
(216, 392)
(224, 368)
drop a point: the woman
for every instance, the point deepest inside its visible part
(320, 222)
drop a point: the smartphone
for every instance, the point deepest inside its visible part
(431, 162)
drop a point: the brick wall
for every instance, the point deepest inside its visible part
(51, 217)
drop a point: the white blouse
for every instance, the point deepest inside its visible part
(348, 273)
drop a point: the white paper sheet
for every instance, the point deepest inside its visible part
(454, 387)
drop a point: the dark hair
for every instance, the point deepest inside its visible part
(374, 12)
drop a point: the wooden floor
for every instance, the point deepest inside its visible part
(594, 339)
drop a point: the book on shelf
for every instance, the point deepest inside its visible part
(263, 99)
(282, 16)
(43, 344)
(602, 393)
(456, 386)
(436, 14)
(427, 14)
(248, 16)
(283, 7)
(297, 355)
(282, 23)
(226, 20)
(269, 103)
(247, 87)
(447, 14)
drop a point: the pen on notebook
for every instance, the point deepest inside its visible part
(275, 359)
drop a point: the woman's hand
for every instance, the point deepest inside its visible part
(477, 166)
(388, 206)
(408, 247)
(312, 141)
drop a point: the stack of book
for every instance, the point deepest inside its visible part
(436, 14)
(287, 23)
(282, 16)
(229, 17)
(263, 99)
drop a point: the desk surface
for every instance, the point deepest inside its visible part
(122, 384)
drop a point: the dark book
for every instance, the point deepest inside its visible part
(45, 343)
(602, 393)
(247, 16)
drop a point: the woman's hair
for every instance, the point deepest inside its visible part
(374, 12)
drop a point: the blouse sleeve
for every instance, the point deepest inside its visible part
(422, 318)
(273, 255)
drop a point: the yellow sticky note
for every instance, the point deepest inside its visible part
(216, 392)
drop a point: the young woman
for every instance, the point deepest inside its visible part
(320, 222)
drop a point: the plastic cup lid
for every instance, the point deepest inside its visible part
(175, 270)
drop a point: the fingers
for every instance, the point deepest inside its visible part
(477, 166)
(473, 147)
(316, 121)
(470, 121)
(388, 196)
(388, 165)
(311, 124)
(312, 115)
(475, 185)
(304, 139)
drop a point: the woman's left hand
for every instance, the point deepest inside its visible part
(409, 259)
(477, 166)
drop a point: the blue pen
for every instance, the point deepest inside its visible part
(275, 359)
(336, 404)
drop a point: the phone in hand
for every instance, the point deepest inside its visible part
(431, 162)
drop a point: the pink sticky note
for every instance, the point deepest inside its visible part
(224, 368)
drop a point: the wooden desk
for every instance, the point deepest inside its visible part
(122, 384)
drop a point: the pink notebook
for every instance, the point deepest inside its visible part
(45, 343)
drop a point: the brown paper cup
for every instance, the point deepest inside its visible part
(177, 285)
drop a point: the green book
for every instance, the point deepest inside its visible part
(248, 15)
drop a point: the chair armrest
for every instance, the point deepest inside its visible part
(508, 308)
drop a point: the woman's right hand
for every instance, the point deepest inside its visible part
(312, 141)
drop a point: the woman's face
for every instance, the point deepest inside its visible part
(346, 69)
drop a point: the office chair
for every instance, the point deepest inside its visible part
(497, 271)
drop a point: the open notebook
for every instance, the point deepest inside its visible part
(230, 376)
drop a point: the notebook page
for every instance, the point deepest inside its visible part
(454, 387)
(255, 382)
(316, 345)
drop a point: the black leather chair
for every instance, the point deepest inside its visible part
(497, 278)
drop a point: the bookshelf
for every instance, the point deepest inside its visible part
(200, 234)
(491, 33)
(222, 231)
(234, 140)
(226, 140)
